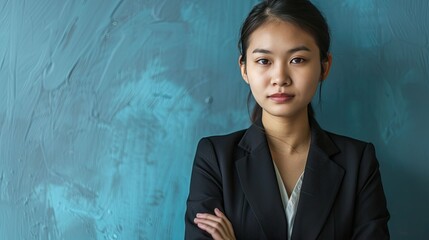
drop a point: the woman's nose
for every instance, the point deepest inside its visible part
(281, 77)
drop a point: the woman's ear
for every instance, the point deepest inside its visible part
(243, 71)
(326, 64)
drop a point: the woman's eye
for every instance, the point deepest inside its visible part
(297, 60)
(263, 61)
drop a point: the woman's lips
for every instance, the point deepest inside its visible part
(280, 97)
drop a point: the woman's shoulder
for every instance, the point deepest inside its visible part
(342, 142)
(352, 148)
(220, 147)
(229, 139)
(346, 140)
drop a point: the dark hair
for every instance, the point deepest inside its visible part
(300, 12)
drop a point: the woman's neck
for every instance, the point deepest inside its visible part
(287, 135)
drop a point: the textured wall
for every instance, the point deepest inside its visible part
(102, 104)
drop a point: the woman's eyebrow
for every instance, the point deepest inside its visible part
(300, 48)
(260, 50)
(290, 51)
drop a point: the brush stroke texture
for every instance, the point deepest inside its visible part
(102, 104)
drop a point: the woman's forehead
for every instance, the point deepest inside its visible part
(280, 35)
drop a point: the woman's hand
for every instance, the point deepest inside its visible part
(218, 226)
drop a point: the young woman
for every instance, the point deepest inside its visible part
(284, 177)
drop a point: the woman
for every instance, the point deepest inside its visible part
(284, 177)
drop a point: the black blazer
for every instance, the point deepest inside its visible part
(341, 195)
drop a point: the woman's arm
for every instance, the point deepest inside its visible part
(205, 196)
(371, 214)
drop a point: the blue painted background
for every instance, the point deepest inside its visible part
(102, 104)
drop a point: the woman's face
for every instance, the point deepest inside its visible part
(283, 68)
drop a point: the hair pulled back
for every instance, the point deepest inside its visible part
(300, 12)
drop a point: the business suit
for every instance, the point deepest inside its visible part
(341, 196)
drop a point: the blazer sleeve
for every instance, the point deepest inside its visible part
(205, 193)
(371, 214)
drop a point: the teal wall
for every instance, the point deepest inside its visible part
(102, 104)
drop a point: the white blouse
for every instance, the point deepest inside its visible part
(290, 205)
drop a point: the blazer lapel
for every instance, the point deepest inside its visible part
(322, 179)
(259, 183)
